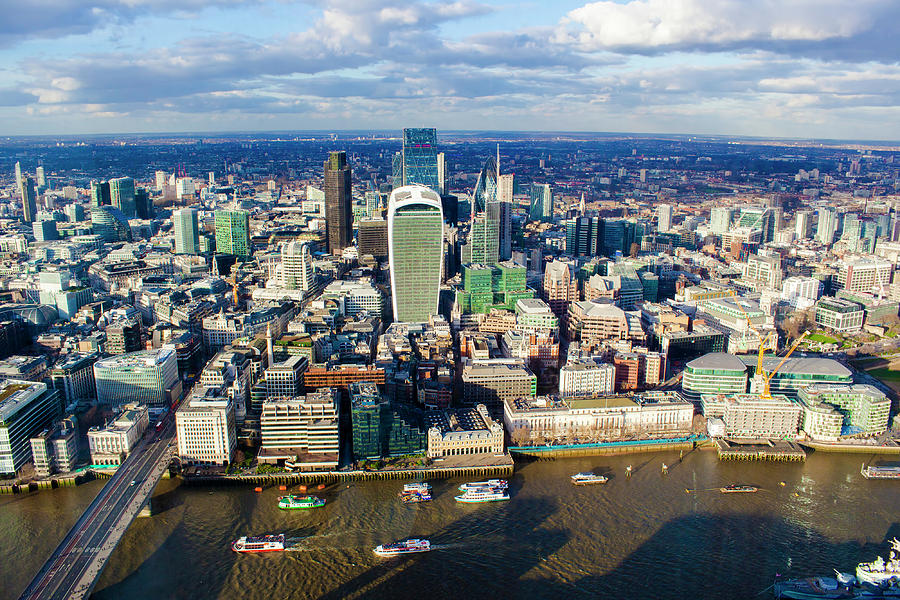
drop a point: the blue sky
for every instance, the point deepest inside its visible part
(785, 68)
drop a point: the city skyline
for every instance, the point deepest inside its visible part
(794, 70)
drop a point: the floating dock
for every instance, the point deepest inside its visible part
(780, 450)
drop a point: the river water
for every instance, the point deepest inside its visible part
(637, 537)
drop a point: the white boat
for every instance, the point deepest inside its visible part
(490, 483)
(262, 543)
(588, 479)
(880, 571)
(403, 547)
(483, 494)
(417, 488)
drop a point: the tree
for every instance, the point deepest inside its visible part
(635, 248)
(521, 435)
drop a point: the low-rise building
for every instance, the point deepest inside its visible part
(55, 450)
(832, 411)
(463, 431)
(382, 428)
(586, 378)
(840, 315)
(714, 373)
(73, 377)
(752, 416)
(111, 444)
(491, 384)
(149, 377)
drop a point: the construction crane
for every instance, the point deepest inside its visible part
(765, 379)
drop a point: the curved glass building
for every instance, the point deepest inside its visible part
(143, 377)
(483, 246)
(110, 224)
(415, 252)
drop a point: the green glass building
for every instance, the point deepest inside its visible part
(382, 428)
(415, 252)
(233, 232)
(121, 195)
(485, 288)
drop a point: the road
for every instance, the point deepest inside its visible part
(74, 567)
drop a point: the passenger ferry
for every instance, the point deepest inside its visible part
(483, 494)
(414, 497)
(588, 479)
(490, 483)
(419, 488)
(738, 489)
(410, 546)
(292, 502)
(871, 472)
(260, 543)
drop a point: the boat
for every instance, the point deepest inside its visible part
(409, 546)
(413, 497)
(735, 488)
(588, 479)
(872, 472)
(420, 488)
(873, 580)
(881, 571)
(490, 483)
(260, 543)
(483, 494)
(292, 502)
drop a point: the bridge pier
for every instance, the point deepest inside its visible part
(147, 509)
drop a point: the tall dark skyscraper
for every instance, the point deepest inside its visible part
(100, 193)
(338, 209)
(420, 158)
(29, 200)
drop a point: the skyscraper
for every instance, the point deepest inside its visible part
(29, 199)
(121, 195)
(110, 224)
(803, 224)
(338, 213)
(187, 236)
(505, 186)
(296, 266)
(233, 232)
(420, 160)
(664, 217)
(720, 218)
(483, 246)
(41, 178)
(143, 204)
(19, 176)
(415, 249)
(541, 208)
(828, 225)
(100, 193)
(442, 173)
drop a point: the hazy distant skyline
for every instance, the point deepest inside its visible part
(803, 68)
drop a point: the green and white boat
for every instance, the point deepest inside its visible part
(292, 502)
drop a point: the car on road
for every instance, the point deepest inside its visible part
(134, 482)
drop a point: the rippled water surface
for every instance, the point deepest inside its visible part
(638, 537)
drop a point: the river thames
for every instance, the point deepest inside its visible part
(637, 537)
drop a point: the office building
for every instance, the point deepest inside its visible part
(233, 232)
(100, 194)
(749, 416)
(714, 373)
(285, 379)
(26, 409)
(373, 237)
(296, 266)
(74, 213)
(720, 219)
(483, 244)
(29, 200)
(870, 275)
(73, 377)
(419, 159)
(205, 426)
(338, 213)
(55, 450)
(586, 378)
(803, 224)
(541, 202)
(112, 443)
(44, 231)
(797, 373)
(801, 292)
(382, 428)
(505, 188)
(664, 217)
(149, 377)
(840, 315)
(487, 288)
(416, 252)
(121, 196)
(143, 204)
(302, 431)
(123, 336)
(490, 384)
(560, 288)
(355, 297)
(187, 235)
(828, 226)
(110, 224)
(463, 431)
(832, 411)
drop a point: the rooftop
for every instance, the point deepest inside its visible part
(15, 395)
(718, 360)
(136, 360)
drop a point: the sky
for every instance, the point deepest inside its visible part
(768, 68)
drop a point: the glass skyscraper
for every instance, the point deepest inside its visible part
(29, 200)
(419, 160)
(415, 252)
(233, 232)
(187, 236)
(483, 246)
(121, 195)
(541, 208)
(110, 224)
(100, 193)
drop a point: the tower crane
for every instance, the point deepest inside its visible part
(766, 379)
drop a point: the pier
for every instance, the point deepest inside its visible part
(607, 448)
(780, 450)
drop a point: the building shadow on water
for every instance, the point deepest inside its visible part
(713, 557)
(503, 547)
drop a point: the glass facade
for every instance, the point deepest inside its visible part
(121, 195)
(416, 252)
(187, 237)
(420, 162)
(110, 224)
(382, 428)
(139, 376)
(233, 232)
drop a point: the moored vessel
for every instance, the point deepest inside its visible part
(409, 546)
(588, 479)
(879, 578)
(421, 488)
(874, 472)
(483, 494)
(881, 571)
(490, 483)
(293, 502)
(414, 497)
(259, 543)
(735, 488)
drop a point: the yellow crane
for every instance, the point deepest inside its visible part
(766, 394)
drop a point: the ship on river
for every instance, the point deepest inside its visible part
(878, 579)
